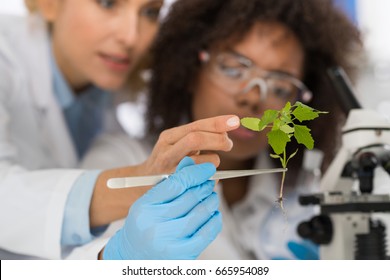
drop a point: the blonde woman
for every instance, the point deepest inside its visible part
(58, 68)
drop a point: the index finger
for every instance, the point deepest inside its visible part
(219, 124)
(180, 181)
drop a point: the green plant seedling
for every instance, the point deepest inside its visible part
(284, 125)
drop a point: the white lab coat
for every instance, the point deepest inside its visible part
(256, 228)
(37, 156)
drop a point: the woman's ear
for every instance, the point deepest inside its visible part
(49, 9)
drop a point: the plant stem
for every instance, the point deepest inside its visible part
(281, 185)
(284, 164)
(280, 200)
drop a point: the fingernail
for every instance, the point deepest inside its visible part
(233, 121)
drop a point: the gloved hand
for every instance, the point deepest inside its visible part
(176, 219)
(303, 250)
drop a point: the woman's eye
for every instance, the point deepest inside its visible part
(282, 93)
(232, 72)
(107, 4)
(151, 12)
(282, 88)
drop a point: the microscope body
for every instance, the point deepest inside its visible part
(345, 228)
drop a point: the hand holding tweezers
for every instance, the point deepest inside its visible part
(138, 181)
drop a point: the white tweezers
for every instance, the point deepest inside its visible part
(138, 181)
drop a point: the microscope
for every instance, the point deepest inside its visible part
(346, 227)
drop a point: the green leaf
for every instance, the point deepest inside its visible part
(286, 119)
(251, 123)
(278, 157)
(285, 113)
(292, 155)
(277, 124)
(278, 140)
(304, 113)
(303, 136)
(287, 129)
(274, 156)
(304, 105)
(286, 110)
(268, 117)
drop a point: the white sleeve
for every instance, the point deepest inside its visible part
(91, 250)
(115, 150)
(32, 209)
(31, 202)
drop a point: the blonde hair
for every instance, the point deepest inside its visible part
(31, 5)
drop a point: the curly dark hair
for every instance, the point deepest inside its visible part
(327, 36)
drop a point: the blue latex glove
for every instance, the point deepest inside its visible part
(303, 250)
(176, 219)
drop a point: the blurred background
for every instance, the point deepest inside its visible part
(371, 16)
(373, 85)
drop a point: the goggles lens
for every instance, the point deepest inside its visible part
(236, 75)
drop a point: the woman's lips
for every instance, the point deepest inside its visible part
(119, 63)
(243, 133)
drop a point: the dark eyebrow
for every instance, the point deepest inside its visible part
(241, 56)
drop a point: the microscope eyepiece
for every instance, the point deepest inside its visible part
(343, 87)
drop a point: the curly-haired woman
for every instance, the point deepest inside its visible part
(243, 57)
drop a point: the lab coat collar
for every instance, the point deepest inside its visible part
(62, 90)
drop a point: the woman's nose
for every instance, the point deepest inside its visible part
(253, 95)
(127, 31)
(257, 83)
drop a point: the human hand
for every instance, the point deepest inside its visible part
(189, 140)
(176, 219)
(304, 250)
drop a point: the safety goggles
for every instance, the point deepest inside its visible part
(236, 74)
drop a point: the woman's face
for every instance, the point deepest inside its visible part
(269, 47)
(100, 41)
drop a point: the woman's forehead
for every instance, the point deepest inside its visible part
(274, 32)
(271, 46)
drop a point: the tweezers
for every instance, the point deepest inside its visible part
(138, 181)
